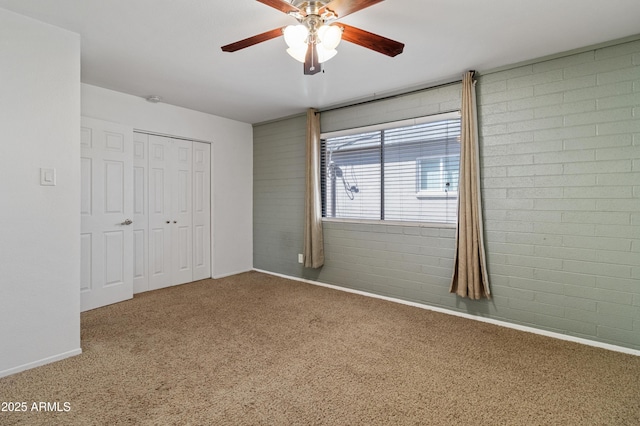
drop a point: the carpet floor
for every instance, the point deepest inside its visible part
(255, 349)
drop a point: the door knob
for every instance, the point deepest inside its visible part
(127, 222)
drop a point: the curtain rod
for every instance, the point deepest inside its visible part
(397, 95)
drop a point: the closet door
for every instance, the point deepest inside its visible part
(181, 211)
(140, 212)
(201, 211)
(170, 211)
(159, 212)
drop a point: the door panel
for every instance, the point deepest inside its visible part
(201, 210)
(106, 202)
(140, 212)
(181, 222)
(160, 213)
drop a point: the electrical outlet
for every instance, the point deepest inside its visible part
(300, 258)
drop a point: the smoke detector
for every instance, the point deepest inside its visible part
(154, 99)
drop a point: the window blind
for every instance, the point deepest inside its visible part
(404, 173)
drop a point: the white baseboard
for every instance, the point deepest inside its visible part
(524, 328)
(216, 277)
(44, 361)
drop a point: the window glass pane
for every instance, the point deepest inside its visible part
(418, 179)
(352, 173)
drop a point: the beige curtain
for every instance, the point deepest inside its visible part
(470, 277)
(313, 240)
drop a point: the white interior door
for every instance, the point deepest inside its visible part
(170, 212)
(159, 212)
(201, 210)
(181, 211)
(106, 212)
(140, 212)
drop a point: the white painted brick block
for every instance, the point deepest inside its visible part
(535, 170)
(535, 79)
(598, 269)
(535, 124)
(572, 156)
(620, 231)
(598, 142)
(565, 133)
(554, 192)
(612, 102)
(584, 59)
(629, 126)
(608, 218)
(565, 180)
(598, 66)
(624, 152)
(619, 166)
(631, 205)
(565, 205)
(567, 279)
(605, 116)
(566, 108)
(565, 85)
(565, 228)
(598, 92)
(536, 102)
(507, 117)
(620, 75)
(511, 140)
(567, 253)
(597, 243)
(606, 192)
(612, 179)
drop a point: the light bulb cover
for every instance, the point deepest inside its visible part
(298, 53)
(325, 54)
(296, 35)
(330, 36)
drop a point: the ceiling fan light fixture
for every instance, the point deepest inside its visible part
(296, 36)
(330, 36)
(325, 54)
(298, 53)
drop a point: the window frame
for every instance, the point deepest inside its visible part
(381, 128)
(426, 193)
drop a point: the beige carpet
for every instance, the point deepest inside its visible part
(255, 349)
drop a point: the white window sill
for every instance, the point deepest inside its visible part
(391, 222)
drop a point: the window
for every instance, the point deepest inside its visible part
(398, 172)
(437, 175)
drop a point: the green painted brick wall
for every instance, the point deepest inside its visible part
(560, 164)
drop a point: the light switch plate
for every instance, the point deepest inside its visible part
(47, 177)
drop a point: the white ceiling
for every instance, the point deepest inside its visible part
(171, 48)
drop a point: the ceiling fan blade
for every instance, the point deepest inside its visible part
(233, 47)
(342, 8)
(311, 64)
(283, 6)
(371, 41)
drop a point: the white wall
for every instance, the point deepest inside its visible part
(39, 243)
(232, 165)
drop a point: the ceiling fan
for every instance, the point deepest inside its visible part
(314, 39)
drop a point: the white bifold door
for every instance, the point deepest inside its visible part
(179, 211)
(106, 212)
(146, 214)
